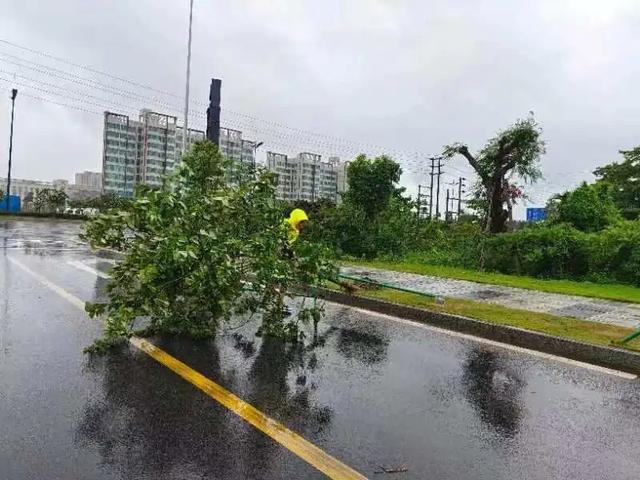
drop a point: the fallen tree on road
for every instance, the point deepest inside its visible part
(199, 251)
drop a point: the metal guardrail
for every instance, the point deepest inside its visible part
(630, 337)
(368, 281)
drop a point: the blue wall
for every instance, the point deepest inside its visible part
(14, 204)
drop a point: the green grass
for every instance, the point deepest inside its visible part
(565, 327)
(608, 291)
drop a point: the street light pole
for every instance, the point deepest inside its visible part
(185, 133)
(255, 150)
(14, 93)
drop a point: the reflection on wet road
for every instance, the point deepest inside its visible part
(367, 390)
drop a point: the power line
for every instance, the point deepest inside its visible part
(49, 92)
(93, 70)
(78, 92)
(66, 76)
(543, 191)
(66, 105)
(87, 68)
(70, 77)
(331, 144)
(338, 143)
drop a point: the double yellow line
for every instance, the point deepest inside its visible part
(304, 449)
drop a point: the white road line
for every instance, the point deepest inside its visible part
(50, 248)
(293, 442)
(506, 346)
(87, 268)
(597, 368)
(102, 259)
(52, 286)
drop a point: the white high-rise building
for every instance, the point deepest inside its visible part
(144, 151)
(305, 176)
(91, 180)
(23, 187)
(342, 174)
(26, 189)
(234, 147)
(140, 151)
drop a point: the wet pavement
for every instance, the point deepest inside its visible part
(592, 309)
(370, 390)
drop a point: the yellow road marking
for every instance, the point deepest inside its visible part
(304, 449)
(324, 462)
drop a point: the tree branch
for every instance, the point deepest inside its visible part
(464, 151)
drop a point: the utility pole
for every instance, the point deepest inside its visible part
(438, 186)
(452, 198)
(446, 211)
(185, 133)
(14, 94)
(431, 174)
(420, 201)
(460, 191)
(423, 201)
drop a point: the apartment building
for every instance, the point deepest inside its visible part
(24, 188)
(285, 170)
(342, 177)
(140, 151)
(233, 146)
(89, 180)
(305, 176)
(145, 150)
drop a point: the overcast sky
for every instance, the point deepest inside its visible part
(331, 76)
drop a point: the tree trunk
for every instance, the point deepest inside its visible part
(497, 216)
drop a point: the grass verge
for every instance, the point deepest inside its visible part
(607, 291)
(565, 327)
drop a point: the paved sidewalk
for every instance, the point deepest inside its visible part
(593, 309)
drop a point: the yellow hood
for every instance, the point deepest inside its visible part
(298, 215)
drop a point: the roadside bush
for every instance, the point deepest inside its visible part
(589, 208)
(457, 244)
(349, 231)
(539, 250)
(614, 253)
(544, 250)
(396, 229)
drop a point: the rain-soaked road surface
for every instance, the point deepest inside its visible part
(373, 391)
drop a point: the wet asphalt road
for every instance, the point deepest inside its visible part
(371, 392)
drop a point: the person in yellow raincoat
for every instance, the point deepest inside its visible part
(293, 225)
(296, 223)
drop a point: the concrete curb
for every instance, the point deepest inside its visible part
(610, 357)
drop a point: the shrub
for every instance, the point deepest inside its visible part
(539, 250)
(589, 208)
(614, 253)
(457, 244)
